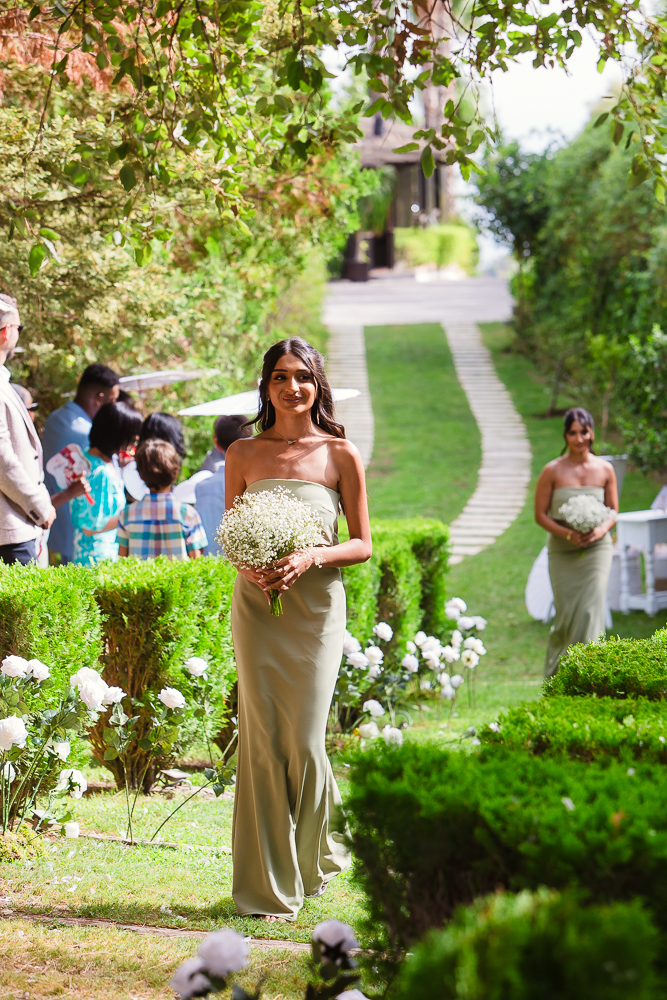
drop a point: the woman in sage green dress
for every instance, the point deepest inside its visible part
(287, 841)
(579, 565)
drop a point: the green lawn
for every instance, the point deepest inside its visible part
(427, 445)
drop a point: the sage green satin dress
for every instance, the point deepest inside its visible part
(286, 841)
(579, 579)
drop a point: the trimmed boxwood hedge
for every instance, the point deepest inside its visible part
(433, 829)
(587, 728)
(615, 668)
(536, 946)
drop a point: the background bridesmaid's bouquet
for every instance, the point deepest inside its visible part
(584, 512)
(265, 526)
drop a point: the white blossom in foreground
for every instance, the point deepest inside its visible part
(196, 666)
(61, 748)
(368, 730)
(447, 692)
(475, 644)
(357, 660)
(449, 654)
(352, 995)
(72, 830)
(469, 658)
(456, 639)
(14, 666)
(374, 654)
(457, 604)
(392, 736)
(71, 776)
(350, 644)
(584, 512)
(92, 688)
(335, 939)
(424, 684)
(410, 663)
(466, 623)
(568, 803)
(113, 696)
(444, 678)
(172, 698)
(383, 631)
(420, 638)
(8, 773)
(494, 727)
(411, 646)
(480, 623)
(12, 732)
(432, 662)
(224, 952)
(38, 670)
(373, 707)
(374, 671)
(84, 674)
(456, 681)
(189, 980)
(431, 646)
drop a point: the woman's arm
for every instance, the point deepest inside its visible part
(543, 494)
(76, 489)
(111, 523)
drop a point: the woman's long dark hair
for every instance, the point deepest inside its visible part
(115, 427)
(322, 413)
(582, 417)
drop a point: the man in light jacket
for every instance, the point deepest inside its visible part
(25, 505)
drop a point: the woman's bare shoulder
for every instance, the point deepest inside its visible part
(552, 467)
(242, 446)
(344, 452)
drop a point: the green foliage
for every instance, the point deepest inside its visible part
(586, 728)
(433, 829)
(439, 245)
(429, 541)
(50, 615)
(362, 583)
(400, 591)
(507, 947)
(616, 668)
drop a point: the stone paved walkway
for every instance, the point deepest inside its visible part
(505, 470)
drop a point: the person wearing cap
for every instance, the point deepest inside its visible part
(25, 505)
(70, 424)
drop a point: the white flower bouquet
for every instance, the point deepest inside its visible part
(265, 526)
(584, 512)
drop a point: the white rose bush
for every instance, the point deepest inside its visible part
(35, 741)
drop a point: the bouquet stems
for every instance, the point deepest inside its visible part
(276, 603)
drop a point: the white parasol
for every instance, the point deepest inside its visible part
(246, 403)
(156, 380)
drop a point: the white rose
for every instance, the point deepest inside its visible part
(494, 727)
(429, 644)
(352, 995)
(452, 611)
(432, 662)
(374, 654)
(8, 773)
(224, 952)
(113, 696)
(469, 658)
(357, 660)
(456, 639)
(449, 654)
(172, 698)
(84, 674)
(12, 732)
(476, 644)
(374, 707)
(480, 623)
(92, 693)
(61, 749)
(444, 678)
(411, 646)
(14, 666)
(466, 623)
(383, 631)
(424, 685)
(335, 934)
(456, 602)
(456, 681)
(374, 671)
(72, 830)
(420, 637)
(196, 666)
(368, 730)
(39, 670)
(72, 776)
(447, 692)
(410, 663)
(189, 980)
(350, 644)
(392, 736)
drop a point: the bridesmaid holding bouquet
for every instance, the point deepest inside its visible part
(576, 501)
(287, 841)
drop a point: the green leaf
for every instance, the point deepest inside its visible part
(145, 744)
(428, 162)
(101, 60)
(127, 177)
(660, 192)
(34, 12)
(110, 754)
(51, 248)
(21, 227)
(49, 233)
(143, 254)
(37, 258)
(408, 148)
(282, 102)
(616, 132)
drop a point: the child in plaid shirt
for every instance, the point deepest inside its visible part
(159, 525)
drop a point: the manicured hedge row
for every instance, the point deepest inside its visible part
(433, 829)
(616, 668)
(536, 946)
(586, 728)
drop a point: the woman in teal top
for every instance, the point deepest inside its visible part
(579, 565)
(115, 428)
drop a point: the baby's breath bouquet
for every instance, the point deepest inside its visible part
(265, 526)
(584, 512)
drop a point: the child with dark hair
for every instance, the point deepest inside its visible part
(159, 524)
(115, 428)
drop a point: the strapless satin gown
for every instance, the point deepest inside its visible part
(286, 842)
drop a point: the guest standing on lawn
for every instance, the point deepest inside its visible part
(160, 525)
(115, 428)
(579, 564)
(210, 493)
(285, 844)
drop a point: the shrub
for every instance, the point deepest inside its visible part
(586, 728)
(432, 829)
(439, 245)
(362, 583)
(536, 945)
(400, 584)
(617, 668)
(429, 540)
(156, 614)
(50, 615)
